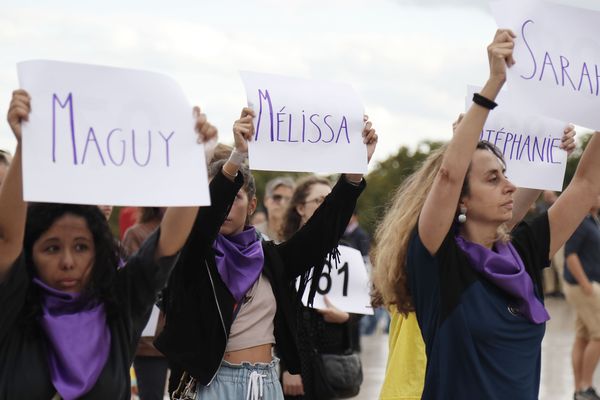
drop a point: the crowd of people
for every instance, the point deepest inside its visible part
(455, 262)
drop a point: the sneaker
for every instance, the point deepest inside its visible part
(588, 394)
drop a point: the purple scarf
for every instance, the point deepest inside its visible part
(240, 260)
(505, 269)
(78, 340)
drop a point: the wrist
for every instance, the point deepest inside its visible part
(237, 157)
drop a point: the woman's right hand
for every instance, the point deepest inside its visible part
(292, 384)
(18, 111)
(500, 54)
(243, 130)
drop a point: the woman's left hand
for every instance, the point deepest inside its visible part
(369, 137)
(332, 313)
(205, 131)
(567, 142)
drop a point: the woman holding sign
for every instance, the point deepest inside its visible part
(69, 318)
(231, 297)
(443, 251)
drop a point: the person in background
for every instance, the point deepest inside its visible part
(278, 193)
(582, 290)
(150, 365)
(258, 218)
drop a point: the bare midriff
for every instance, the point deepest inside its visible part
(256, 354)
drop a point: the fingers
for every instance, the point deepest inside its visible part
(247, 111)
(205, 130)
(568, 139)
(369, 134)
(502, 46)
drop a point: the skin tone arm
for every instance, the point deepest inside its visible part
(13, 210)
(177, 222)
(576, 269)
(574, 204)
(525, 197)
(441, 203)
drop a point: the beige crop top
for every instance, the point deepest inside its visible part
(254, 325)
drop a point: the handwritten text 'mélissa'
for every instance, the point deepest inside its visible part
(284, 126)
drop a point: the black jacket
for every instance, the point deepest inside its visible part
(199, 306)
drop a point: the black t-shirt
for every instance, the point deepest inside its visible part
(24, 372)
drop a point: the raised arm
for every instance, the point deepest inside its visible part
(177, 222)
(370, 139)
(441, 202)
(575, 202)
(525, 197)
(13, 210)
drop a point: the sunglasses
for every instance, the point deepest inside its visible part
(279, 198)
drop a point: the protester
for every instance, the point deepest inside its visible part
(582, 289)
(230, 297)
(278, 193)
(69, 319)
(405, 370)
(328, 330)
(150, 365)
(476, 293)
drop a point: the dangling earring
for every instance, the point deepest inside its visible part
(462, 217)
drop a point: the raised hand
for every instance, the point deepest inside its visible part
(18, 111)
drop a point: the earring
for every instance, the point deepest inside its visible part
(462, 217)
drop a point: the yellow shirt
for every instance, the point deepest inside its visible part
(405, 372)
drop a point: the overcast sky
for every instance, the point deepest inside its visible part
(410, 60)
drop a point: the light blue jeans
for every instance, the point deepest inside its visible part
(244, 381)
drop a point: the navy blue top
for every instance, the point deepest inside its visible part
(585, 242)
(477, 344)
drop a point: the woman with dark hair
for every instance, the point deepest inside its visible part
(443, 250)
(230, 297)
(69, 318)
(326, 330)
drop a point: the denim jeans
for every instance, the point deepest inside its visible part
(244, 381)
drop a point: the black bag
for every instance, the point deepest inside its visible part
(336, 376)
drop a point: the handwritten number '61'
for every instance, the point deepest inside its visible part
(325, 274)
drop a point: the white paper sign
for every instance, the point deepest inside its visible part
(103, 135)
(529, 143)
(150, 328)
(304, 125)
(557, 54)
(346, 287)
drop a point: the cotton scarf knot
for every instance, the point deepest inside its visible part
(239, 260)
(505, 269)
(78, 340)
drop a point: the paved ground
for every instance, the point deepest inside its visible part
(557, 379)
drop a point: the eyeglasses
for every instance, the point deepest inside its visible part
(279, 198)
(318, 201)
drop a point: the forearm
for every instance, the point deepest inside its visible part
(523, 199)
(467, 133)
(576, 269)
(175, 228)
(13, 213)
(588, 168)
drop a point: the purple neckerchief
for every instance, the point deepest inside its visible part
(78, 340)
(240, 260)
(505, 269)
